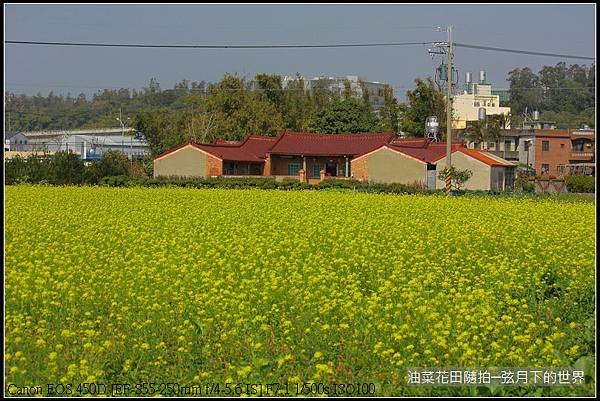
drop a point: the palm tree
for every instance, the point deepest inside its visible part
(485, 130)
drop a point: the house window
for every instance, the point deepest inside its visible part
(228, 168)
(476, 104)
(545, 146)
(562, 145)
(507, 144)
(316, 171)
(293, 168)
(545, 168)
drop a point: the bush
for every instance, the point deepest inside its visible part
(110, 164)
(522, 183)
(580, 183)
(33, 169)
(66, 169)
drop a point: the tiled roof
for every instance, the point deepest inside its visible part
(485, 157)
(310, 144)
(252, 149)
(259, 145)
(428, 152)
(229, 153)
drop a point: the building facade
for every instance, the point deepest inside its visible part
(547, 151)
(310, 157)
(466, 106)
(418, 162)
(88, 143)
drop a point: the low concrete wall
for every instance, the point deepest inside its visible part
(549, 186)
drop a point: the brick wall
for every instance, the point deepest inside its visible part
(279, 166)
(360, 168)
(214, 166)
(555, 155)
(267, 166)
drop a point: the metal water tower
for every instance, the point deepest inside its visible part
(432, 127)
(481, 114)
(482, 77)
(468, 81)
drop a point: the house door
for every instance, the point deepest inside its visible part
(431, 170)
(431, 179)
(331, 170)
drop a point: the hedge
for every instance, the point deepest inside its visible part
(581, 184)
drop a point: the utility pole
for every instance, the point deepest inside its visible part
(447, 49)
(449, 116)
(120, 120)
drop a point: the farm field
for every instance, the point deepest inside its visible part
(187, 286)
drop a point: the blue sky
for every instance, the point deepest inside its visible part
(564, 29)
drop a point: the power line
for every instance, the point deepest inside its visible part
(136, 45)
(499, 49)
(304, 46)
(207, 90)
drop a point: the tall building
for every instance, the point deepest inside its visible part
(476, 96)
(544, 148)
(337, 85)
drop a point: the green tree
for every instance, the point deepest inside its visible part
(110, 164)
(237, 112)
(345, 116)
(486, 130)
(67, 168)
(297, 106)
(425, 100)
(271, 89)
(349, 92)
(459, 177)
(390, 111)
(164, 129)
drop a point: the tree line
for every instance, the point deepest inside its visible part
(233, 108)
(563, 93)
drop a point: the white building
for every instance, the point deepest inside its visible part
(465, 107)
(337, 85)
(88, 143)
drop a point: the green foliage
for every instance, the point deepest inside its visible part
(30, 113)
(230, 109)
(488, 130)
(110, 164)
(164, 129)
(235, 112)
(263, 183)
(565, 94)
(148, 165)
(580, 183)
(566, 119)
(66, 168)
(389, 113)
(345, 116)
(459, 177)
(424, 101)
(27, 170)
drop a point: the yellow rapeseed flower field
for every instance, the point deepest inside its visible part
(141, 285)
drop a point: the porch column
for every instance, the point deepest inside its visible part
(304, 167)
(347, 175)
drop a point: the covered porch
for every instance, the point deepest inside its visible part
(310, 169)
(238, 168)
